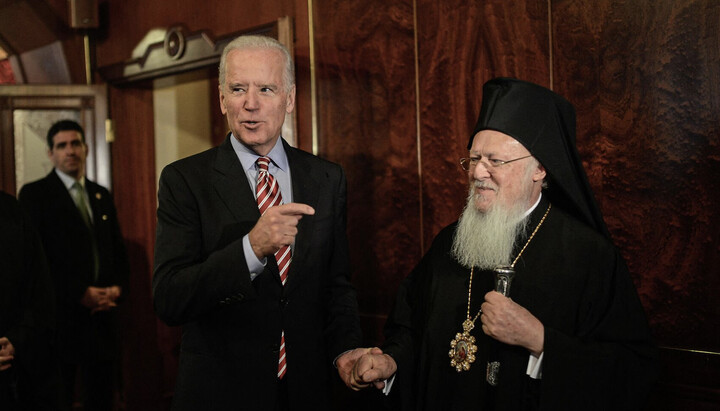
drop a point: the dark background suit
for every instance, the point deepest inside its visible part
(27, 314)
(82, 337)
(231, 324)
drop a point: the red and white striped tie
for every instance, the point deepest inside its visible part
(268, 195)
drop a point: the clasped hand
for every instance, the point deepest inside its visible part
(101, 298)
(7, 353)
(363, 367)
(510, 323)
(277, 228)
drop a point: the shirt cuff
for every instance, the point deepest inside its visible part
(255, 266)
(388, 385)
(534, 368)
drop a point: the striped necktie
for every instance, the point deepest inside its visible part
(268, 195)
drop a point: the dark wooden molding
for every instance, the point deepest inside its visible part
(689, 379)
(179, 52)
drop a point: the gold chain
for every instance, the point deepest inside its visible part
(472, 270)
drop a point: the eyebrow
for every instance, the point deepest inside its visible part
(477, 153)
(258, 85)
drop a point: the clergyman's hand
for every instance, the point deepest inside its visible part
(510, 323)
(277, 228)
(7, 353)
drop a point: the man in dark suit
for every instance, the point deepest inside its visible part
(249, 341)
(77, 222)
(29, 378)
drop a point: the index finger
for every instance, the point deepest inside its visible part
(296, 209)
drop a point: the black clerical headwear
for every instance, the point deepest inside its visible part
(544, 123)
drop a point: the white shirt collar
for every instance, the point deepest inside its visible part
(528, 212)
(69, 180)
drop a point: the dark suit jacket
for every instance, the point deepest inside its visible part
(68, 247)
(232, 325)
(27, 313)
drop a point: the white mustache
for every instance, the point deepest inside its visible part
(484, 184)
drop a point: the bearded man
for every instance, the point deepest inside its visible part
(570, 334)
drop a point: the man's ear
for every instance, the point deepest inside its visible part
(539, 173)
(223, 109)
(290, 102)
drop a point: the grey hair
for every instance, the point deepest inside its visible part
(259, 42)
(531, 168)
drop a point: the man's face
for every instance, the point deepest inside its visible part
(254, 97)
(68, 153)
(504, 185)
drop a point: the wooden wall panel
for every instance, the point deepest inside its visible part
(134, 192)
(645, 79)
(649, 130)
(125, 23)
(366, 122)
(461, 45)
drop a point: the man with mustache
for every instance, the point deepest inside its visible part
(566, 331)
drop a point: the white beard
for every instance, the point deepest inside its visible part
(486, 240)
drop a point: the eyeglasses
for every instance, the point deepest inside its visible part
(469, 163)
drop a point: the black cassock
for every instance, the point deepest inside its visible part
(598, 352)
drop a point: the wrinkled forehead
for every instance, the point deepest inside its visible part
(489, 142)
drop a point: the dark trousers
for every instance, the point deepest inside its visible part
(282, 395)
(96, 384)
(9, 399)
(21, 390)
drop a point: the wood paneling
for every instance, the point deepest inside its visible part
(366, 122)
(648, 122)
(644, 77)
(134, 193)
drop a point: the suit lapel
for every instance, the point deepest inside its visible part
(305, 190)
(96, 198)
(230, 183)
(64, 199)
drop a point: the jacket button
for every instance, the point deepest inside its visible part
(283, 302)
